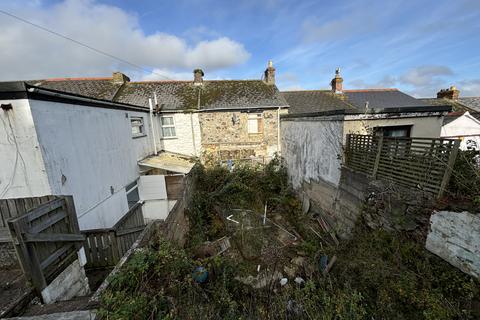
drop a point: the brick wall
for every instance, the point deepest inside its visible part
(225, 135)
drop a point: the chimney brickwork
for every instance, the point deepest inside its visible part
(337, 82)
(198, 76)
(270, 74)
(451, 93)
(120, 78)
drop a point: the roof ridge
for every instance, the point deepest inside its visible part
(76, 79)
(372, 90)
(215, 80)
(312, 90)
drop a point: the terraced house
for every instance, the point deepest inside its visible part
(223, 119)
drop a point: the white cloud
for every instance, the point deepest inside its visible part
(424, 76)
(469, 88)
(29, 53)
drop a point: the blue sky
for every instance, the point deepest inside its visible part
(416, 46)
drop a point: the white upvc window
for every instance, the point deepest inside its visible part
(255, 123)
(138, 128)
(168, 127)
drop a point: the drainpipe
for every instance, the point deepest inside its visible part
(193, 134)
(153, 130)
(279, 151)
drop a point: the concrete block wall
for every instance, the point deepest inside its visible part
(72, 282)
(455, 237)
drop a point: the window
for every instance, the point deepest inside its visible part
(168, 127)
(255, 123)
(138, 130)
(132, 194)
(393, 131)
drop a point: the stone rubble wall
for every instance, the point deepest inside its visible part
(224, 139)
(455, 237)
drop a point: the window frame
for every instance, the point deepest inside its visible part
(381, 130)
(162, 126)
(255, 116)
(141, 127)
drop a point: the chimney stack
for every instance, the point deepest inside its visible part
(337, 82)
(270, 73)
(198, 76)
(119, 78)
(451, 93)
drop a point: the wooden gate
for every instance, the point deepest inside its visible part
(47, 239)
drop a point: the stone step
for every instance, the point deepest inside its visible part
(72, 315)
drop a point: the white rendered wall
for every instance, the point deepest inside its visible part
(466, 128)
(22, 172)
(185, 142)
(89, 153)
(312, 150)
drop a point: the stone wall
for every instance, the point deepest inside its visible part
(8, 256)
(225, 134)
(455, 237)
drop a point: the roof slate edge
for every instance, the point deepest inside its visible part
(22, 90)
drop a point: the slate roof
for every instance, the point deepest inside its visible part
(354, 100)
(99, 88)
(175, 95)
(471, 104)
(314, 101)
(381, 99)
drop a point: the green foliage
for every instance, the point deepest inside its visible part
(399, 279)
(465, 179)
(217, 190)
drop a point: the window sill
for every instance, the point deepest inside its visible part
(139, 136)
(168, 138)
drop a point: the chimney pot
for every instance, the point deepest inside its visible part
(337, 82)
(198, 76)
(119, 78)
(270, 73)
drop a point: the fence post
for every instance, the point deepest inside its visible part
(449, 169)
(377, 158)
(347, 148)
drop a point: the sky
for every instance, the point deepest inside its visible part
(418, 46)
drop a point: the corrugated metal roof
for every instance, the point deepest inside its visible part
(169, 161)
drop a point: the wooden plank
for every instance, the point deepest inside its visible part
(54, 237)
(59, 215)
(377, 158)
(448, 171)
(129, 230)
(12, 208)
(54, 256)
(4, 213)
(44, 209)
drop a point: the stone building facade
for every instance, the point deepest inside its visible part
(229, 135)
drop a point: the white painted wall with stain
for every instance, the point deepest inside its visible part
(23, 172)
(188, 140)
(89, 153)
(312, 148)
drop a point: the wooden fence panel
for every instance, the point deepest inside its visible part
(46, 238)
(105, 247)
(413, 162)
(11, 208)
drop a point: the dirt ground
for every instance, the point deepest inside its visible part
(13, 287)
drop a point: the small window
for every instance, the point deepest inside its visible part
(168, 127)
(255, 123)
(393, 131)
(138, 128)
(132, 194)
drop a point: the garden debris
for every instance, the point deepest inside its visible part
(299, 280)
(261, 280)
(283, 281)
(200, 274)
(212, 249)
(330, 265)
(326, 227)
